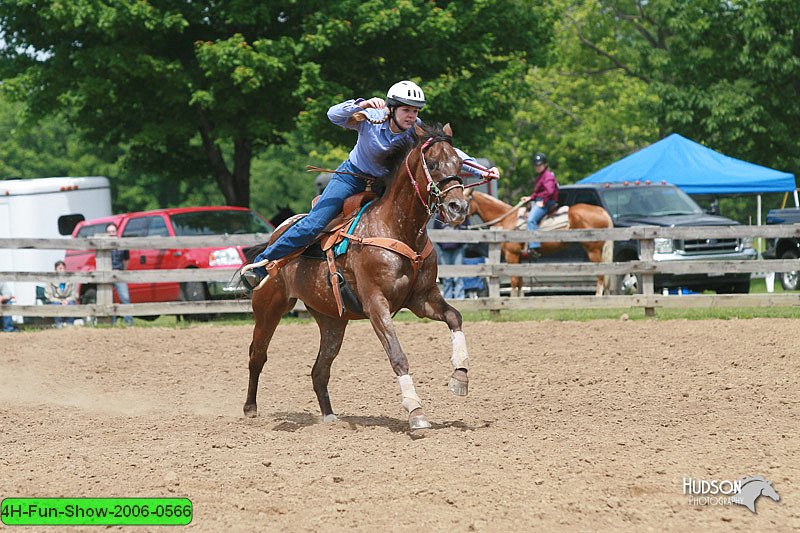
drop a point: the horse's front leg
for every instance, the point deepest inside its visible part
(435, 307)
(380, 317)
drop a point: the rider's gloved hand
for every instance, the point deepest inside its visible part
(375, 103)
(491, 174)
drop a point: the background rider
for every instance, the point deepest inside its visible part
(544, 198)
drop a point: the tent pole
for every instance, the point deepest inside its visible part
(796, 202)
(758, 223)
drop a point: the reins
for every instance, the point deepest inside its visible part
(497, 219)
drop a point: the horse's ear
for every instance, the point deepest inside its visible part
(418, 129)
(448, 130)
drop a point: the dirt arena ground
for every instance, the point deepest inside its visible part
(568, 426)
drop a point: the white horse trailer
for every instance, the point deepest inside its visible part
(45, 208)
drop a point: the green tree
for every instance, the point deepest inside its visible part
(195, 90)
(722, 73)
(577, 109)
(43, 149)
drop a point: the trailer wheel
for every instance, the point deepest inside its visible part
(789, 280)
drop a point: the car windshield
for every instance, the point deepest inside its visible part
(649, 201)
(218, 223)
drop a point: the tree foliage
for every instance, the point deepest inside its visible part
(195, 90)
(724, 73)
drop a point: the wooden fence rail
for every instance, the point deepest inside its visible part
(493, 269)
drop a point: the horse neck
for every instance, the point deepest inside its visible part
(489, 208)
(400, 210)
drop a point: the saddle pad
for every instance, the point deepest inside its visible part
(341, 248)
(558, 220)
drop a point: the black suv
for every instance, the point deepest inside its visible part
(650, 204)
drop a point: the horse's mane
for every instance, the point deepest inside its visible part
(394, 157)
(492, 199)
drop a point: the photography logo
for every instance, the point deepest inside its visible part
(743, 491)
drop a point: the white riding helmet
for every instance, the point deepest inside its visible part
(405, 93)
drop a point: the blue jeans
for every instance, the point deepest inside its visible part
(535, 216)
(8, 323)
(124, 298)
(453, 287)
(327, 207)
(60, 320)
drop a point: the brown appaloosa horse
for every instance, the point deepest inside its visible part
(581, 216)
(390, 265)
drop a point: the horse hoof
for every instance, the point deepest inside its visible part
(329, 418)
(250, 410)
(459, 388)
(419, 422)
(459, 383)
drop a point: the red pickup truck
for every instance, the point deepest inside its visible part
(172, 222)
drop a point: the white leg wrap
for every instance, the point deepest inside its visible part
(460, 357)
(410, 398)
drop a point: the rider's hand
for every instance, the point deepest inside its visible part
(540, 203)
(491, 174)
(376, 103)
(525, 198)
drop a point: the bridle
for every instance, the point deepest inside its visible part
(436, 195)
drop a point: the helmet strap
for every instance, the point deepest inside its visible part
(392, 119)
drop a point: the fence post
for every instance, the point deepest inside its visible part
(105, 291)
(494, 280)
(646, 251)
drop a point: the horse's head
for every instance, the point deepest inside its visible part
(769, 491)
(440, 165)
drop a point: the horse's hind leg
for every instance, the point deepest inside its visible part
(436, 307)
(269, 305)
(331, 334)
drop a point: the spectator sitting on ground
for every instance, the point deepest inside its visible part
(6, 298)
(62, 293)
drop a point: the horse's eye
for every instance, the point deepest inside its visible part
(432, 165)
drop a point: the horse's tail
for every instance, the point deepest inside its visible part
(251, 253)
(608, 252)
(607, 256)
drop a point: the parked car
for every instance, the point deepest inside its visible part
(662, 204)
(173, 222)
(785, 247)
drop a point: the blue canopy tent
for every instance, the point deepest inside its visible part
(695, 169)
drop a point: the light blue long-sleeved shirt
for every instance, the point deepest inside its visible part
(374, 140)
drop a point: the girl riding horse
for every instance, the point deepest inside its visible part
(390, 264)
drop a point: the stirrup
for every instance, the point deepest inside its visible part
(251, 279)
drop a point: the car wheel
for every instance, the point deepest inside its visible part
(789, 280)
(629, 284)
(195, 291)
(89, 296)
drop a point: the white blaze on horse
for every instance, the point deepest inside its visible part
(390, 265)
(501, 215)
